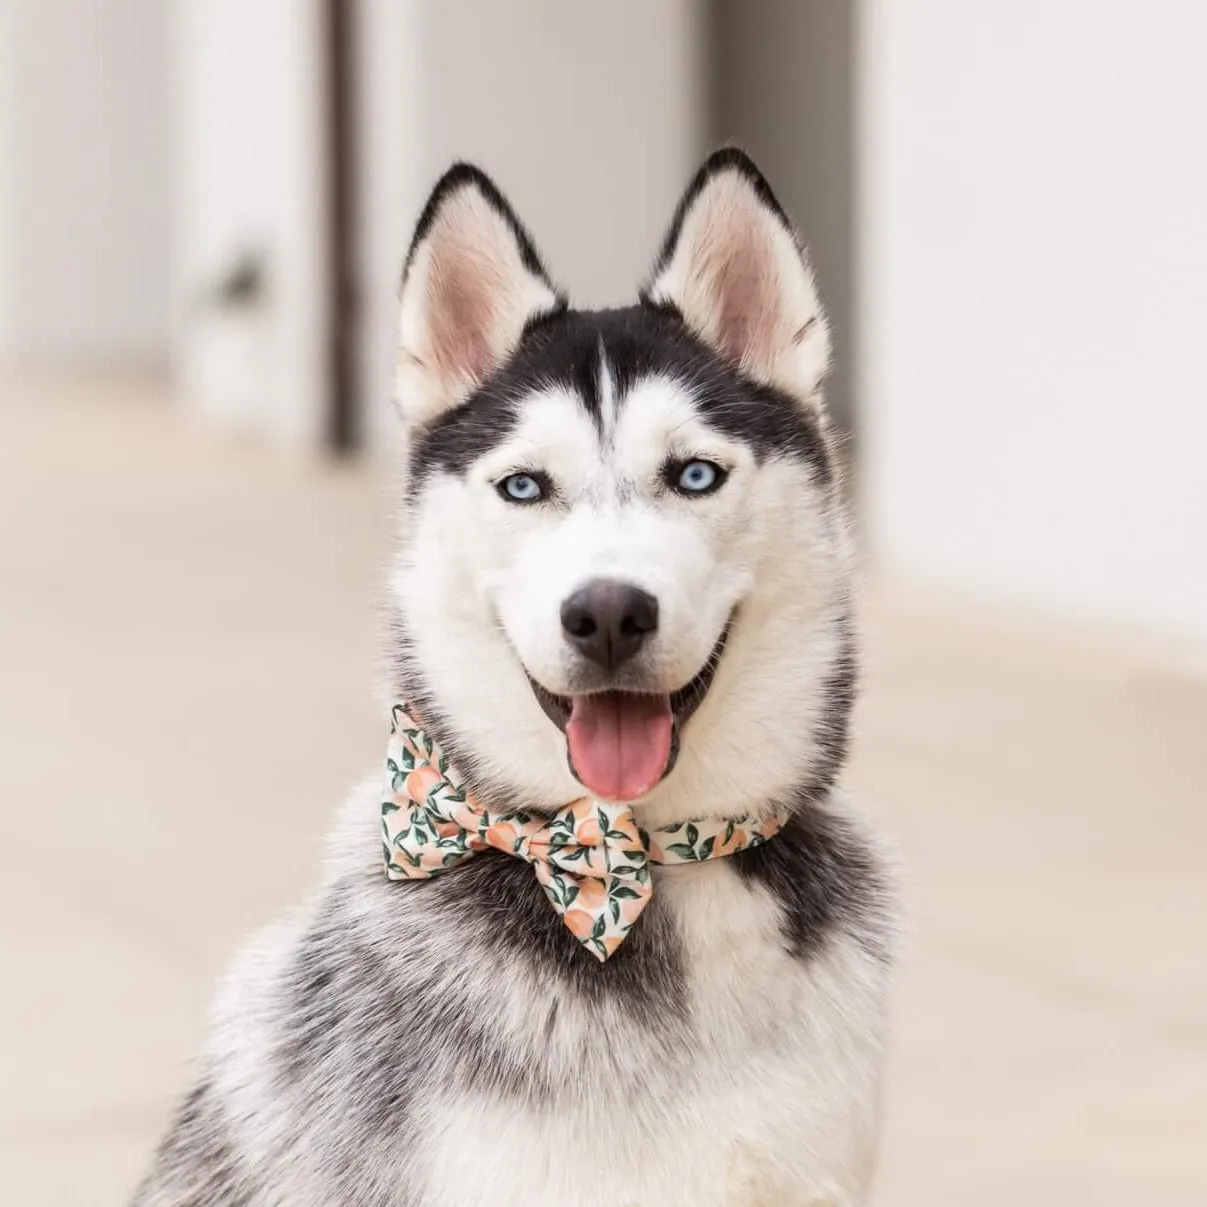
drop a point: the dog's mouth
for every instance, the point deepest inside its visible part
(621, 744)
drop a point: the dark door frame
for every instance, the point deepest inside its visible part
(343, 428)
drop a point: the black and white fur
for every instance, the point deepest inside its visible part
(448, 1043)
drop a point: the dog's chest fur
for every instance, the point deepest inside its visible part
(449, 1043)
(734, 1100)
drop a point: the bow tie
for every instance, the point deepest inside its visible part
(590, 857)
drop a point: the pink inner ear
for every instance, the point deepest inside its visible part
(460, 317)
(738, 307)
(742, 280)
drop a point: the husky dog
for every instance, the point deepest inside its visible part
(625, 573)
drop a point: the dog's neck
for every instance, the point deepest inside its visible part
(714, 781)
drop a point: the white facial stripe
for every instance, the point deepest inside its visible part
(607, 396)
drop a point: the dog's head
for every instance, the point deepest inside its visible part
(625, 563)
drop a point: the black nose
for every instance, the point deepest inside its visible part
(608, 621)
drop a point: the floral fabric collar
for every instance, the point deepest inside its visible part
(590, 857)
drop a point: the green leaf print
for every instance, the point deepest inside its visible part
(693, 835)
(682, 849)
(707, 845)
(601, 925)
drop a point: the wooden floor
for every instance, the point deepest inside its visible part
(187, 643)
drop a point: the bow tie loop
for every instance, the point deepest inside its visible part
(589, 837)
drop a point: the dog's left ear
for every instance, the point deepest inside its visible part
(732, 267)
(472, 283)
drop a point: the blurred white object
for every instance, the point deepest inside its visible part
(249, 172)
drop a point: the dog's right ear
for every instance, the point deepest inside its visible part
(472, 283)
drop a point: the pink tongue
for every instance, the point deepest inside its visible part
(620, 743)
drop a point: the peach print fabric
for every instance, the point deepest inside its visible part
(590, 857)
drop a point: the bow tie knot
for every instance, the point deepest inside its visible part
(590, 857)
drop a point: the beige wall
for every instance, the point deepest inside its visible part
(8, 131)
(590, 117)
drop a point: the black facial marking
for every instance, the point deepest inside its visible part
(647, 341)
(558, 350)
(461, 436)
(641, 341)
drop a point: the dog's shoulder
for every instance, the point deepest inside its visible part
(831, 876)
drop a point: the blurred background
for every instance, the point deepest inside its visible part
(203, 211)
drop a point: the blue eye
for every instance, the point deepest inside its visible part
(521, 488)
(699, 478)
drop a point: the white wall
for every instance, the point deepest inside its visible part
(1034, 301)
(83, 180)
(393, 184)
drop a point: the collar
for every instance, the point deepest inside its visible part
(590, 857)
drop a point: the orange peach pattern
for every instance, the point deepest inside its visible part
(590, 857)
